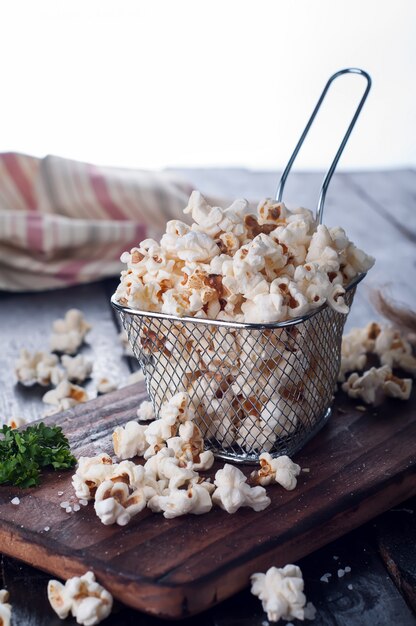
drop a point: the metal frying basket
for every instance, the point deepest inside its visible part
(254, 387)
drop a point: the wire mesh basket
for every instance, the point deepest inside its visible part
(254, 387)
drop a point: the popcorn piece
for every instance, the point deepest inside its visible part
(77, 368)
(196, 500)
(281, 593)
(69, 333)
(129, 441)
(16, 422)
(394, 350)
(104, 385)
(90, 473)
(115, 504)
(83, 597)
(65, 396)
(145, 412)
(232, 491)
(5, 608)
(39, 368)
(377, 383)
(281, 470)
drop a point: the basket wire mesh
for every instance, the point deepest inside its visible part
(253, 387)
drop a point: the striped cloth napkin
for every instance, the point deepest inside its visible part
(63, 222)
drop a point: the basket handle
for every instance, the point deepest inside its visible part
(328, 175)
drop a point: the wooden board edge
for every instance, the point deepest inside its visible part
(177, 601)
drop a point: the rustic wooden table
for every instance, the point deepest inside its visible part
(377, 211)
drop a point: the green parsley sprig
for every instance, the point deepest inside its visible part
(24, 453)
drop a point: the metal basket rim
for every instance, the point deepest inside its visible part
(247, 325)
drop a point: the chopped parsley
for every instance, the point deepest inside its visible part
(23, 454)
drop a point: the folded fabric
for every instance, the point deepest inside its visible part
(63, 222)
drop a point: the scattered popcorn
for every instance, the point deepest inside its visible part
(82, 597)
(15, 501)
(77, 368)
(146, 412)
(39, 368)
(90, 473)
(65, 396)
(233, 492)
(104, 385)
(281, 593)
(280, 470)
(5, 608)
(129, 441)
(115, 503)
(16, 422)
(196, 500)
(376, 384)
(69, 333)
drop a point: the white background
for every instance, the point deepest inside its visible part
(196, 83)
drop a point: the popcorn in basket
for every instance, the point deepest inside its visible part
(245, 313)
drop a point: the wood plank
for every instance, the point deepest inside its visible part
(360, 465)
(396, 532)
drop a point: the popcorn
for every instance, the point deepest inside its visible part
(114, 503)
(281, 593)
(90, 473)
(5, 608)
(394, 350)
(196, 500)
(69, 333)
(233, 492)
(83, 597)
(145, 412)
(65, 396)
(129, 441)
(232, 266)
(39, 368)
(77, 368)
(246, 253)
(376, 384)
(104, 385)
(280, 470)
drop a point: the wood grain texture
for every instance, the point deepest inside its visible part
(360, 465)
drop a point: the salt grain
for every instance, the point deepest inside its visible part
(83, 502)
(64, 505)
(347, 569)
(350, 587)
(15, 501)
(341, 573)
(46, 529)
(68, 509)
(325, 578)
(60, 493)
(76, 507)
(335, 558)
(306, 470)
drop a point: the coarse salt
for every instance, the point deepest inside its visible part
(325, 578)
(46, 529)
(83, 502)
(68, 509)
(341, 573)
(76, 507)
(60, 493)
(15, 501)
(64, 505)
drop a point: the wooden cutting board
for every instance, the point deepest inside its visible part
(360, 464)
